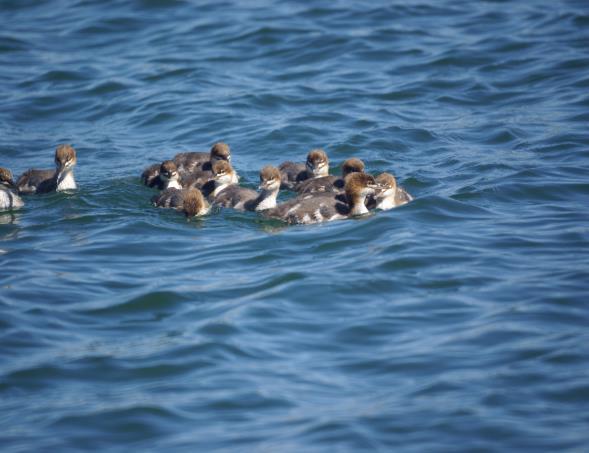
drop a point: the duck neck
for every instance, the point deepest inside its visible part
(219, 187)
(358, 205)
(387, 201)
(323, 172)
(65, 180)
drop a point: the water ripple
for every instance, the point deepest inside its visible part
(456, 320)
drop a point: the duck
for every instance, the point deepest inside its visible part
(44, 181)
(194, 204)
(331, 183)
(241, 198)
(175, 198)
(390, 195)
(326, 207)
(223, 177)
(9, 199)
(169, 178)
(189, 163)
(293, 173)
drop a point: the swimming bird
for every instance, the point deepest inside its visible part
(43, 181)
(325, 207)
(390, 195)
(8, 197)
(223, 177)
(194, 169)
(331, 183)
(169, 178)
(188, 162)
(194, 204)
(241, 198)
(292, 173)
(175, 198)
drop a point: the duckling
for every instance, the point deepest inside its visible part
(171, 178)
(292, 173)
(8, 197)
(326, 207)
(43, 181)
(189, 163)
(194, 204)
(223, 177)
(241, 198)
(168, 176)
(390, 194)
(331, 183)
(173, 198)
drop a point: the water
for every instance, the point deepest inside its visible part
(455, 323)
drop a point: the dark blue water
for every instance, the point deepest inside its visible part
(456, 323)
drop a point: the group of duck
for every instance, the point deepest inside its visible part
(194, 182)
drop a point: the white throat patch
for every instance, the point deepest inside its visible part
(66, 181)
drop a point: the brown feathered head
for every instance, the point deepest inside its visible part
(6, 177)
(65, 157)
(269, 178)
(318, 163)
(194, 203)
(168, 169)
(386, 181)
(352, 165)
(222, 172)
(359, 184)
(220, 151)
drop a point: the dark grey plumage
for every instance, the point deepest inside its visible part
(191, 161)
(197, 179)
(237, 197)
(331, 183)
(168, 176)
(233, 196)
(170, 198)
(37, 181)
(150, 176)
(190, 201)
(194, 168)
(309, 208)
(291, 174)
(322, 184)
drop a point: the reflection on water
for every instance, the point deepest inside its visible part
(9, 217)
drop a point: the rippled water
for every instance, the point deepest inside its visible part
(455, 323)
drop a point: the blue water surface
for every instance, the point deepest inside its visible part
(458, 322)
